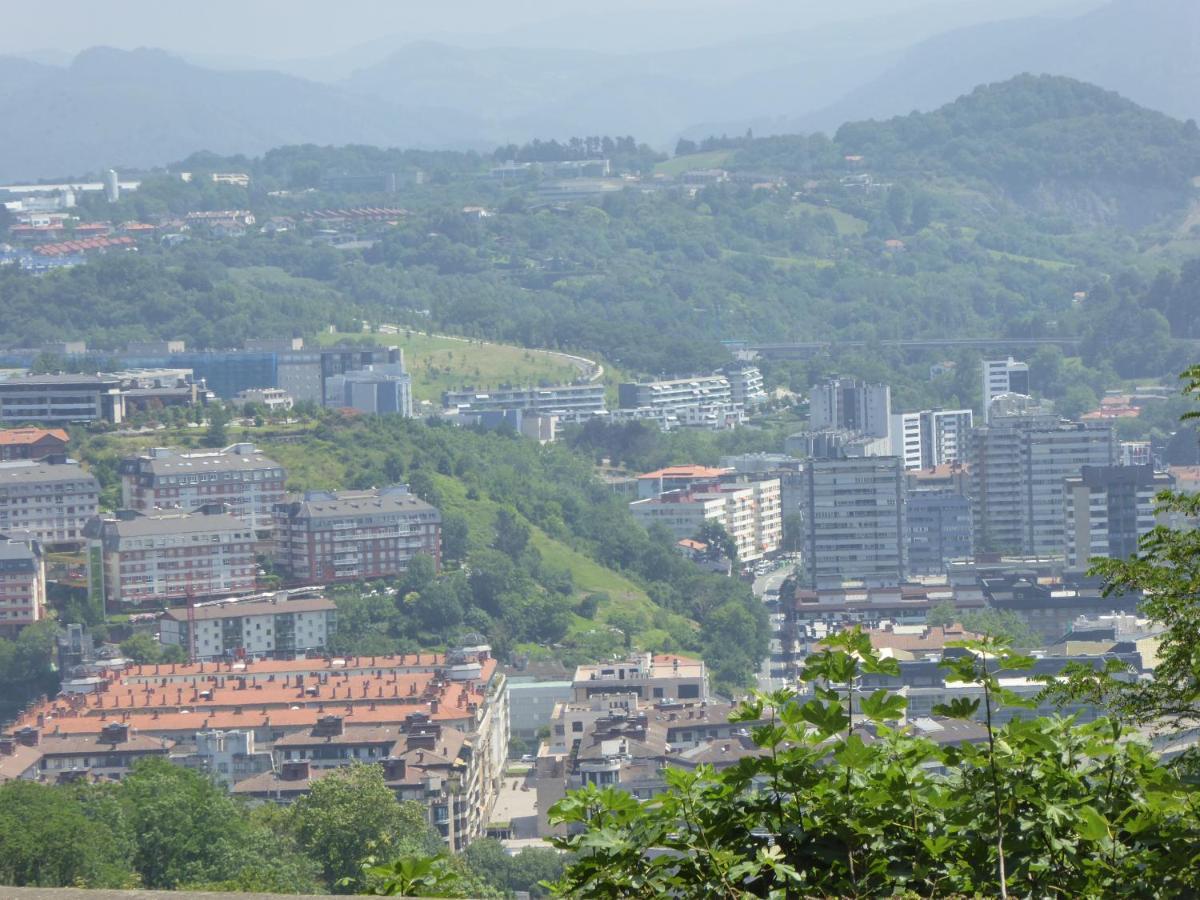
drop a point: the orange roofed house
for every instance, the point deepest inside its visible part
(31, 443)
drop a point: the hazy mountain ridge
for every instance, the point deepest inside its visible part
(1147, 51)
(145, 107)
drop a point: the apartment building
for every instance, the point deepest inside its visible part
(1108, 509)
(32, 443)
(676, 395)
(51, 500)
(1003, 376)
(355, 535)
(281, 626)
(622, 715)
(157, 558)
(33, 755)
(648, 676)
(248, 482)
(847, 404)
(937, 529)
(931, 437)
(746, 386)
(854, 521)
(1017, 471)
(569, 402)
(447, 714)
(22, 585)
(61, 399)
(749, 508)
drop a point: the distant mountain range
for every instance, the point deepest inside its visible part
(146, 107)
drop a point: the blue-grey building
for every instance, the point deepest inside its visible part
(938, 529)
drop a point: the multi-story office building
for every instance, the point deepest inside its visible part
(569, 402)
(250, 484)
(355, 535)
(1108, 509)
(931, 437)
(61, 399)
(32, 443)
(749, 509)
(846, 404)
(280, 626)
(1017, 468)
(1003, 376)
(162, 557)
(938, 529)
(51, 500)
(22, 585)
(305, 374)
(380, 390)
(854, 521)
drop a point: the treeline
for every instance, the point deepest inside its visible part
(166, 827)
(625, 153)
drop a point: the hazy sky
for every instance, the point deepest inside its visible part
(283, 29)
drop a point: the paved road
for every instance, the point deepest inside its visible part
(771, 582)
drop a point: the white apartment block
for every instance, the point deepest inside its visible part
(50, 501)
(746, 385)
(931, 437)
(751, 511)
(570, 402)
(677, 394)
(240, 477)
(1003, 376)
(280, 627)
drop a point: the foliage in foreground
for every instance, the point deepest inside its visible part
(841, 802)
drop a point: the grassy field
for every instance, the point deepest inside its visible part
(846, 223)
(441, 364)
(1052, 264)
(711, 160)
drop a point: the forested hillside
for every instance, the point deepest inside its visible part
(1010, 212)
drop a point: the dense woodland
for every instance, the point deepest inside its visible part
(172, 828)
